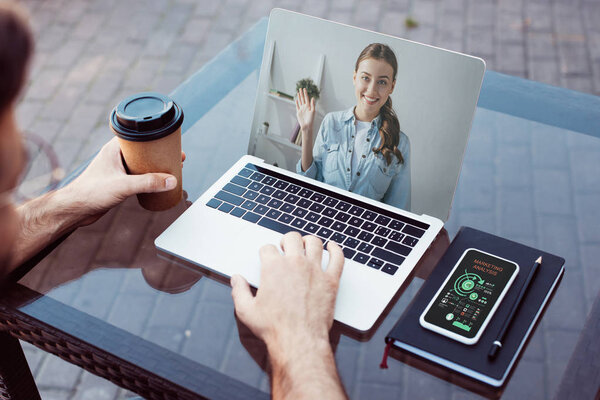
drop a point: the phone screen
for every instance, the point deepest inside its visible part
(468, 297)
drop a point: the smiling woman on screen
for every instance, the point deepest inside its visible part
(361, 149)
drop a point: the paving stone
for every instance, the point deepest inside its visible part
(539, 17)
(552, 192)
(590, 254)
(392, 23)
(92, 387)
(34, 356)
(543, 70)
(510, 59)
(560, 346)
(585, 170)
(56, 373)
(526, 385)
(481, 14)
(369, 15)
(561, 313)
(586, 206)
(573, 58)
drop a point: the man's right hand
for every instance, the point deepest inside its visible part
(292, 313)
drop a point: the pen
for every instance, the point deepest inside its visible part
(498, 342)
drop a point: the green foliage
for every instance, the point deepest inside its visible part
(311, 88)
(411, 23)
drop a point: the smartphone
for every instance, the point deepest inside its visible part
(468, 298)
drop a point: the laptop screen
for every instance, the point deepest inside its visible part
(373, 114)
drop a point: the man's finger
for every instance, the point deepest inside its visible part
(314, 248)
(336, 260)
(148, 183)
(292, 244)
(242, 297)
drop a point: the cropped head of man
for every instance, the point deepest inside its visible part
(16, 47)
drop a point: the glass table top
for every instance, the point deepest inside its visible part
(525, 180)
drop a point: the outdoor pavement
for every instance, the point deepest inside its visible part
(90, 54)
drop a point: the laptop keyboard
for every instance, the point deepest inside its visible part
(375, 238)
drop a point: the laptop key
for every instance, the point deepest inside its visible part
(329, 212)
(313, 217)
(279, 194)
(288, 208)
(300, 212)
(352, 231)
(378, 241)
(387, 256)
(273, 214)
(338, 226)
(285, 218)
(238, 212)
(214, 203)
(304, 203)
(369, 226)
(396, 236)
(257, 176)
(281, 184)
(250, 195)
(330, 202)
(395, 225)
(225, 207)
(262, 199)
(238, 180)
(342, 217)
(369, 215)
(275, 203)
(355, 221)
(230, 198)
(255, 186)
(318, 197)
(293, 189)
(338, 237)
(245, 172)
(375, 263)
(366, 248)
(249, 205)
(349, 253)
(381, 231)
(356, 211)
(261, 209)
(267, 190)
(413, 231)
(326, 222)
(316, 207)
(275, 225)
(252, 217)
(410, 241)
(269, 180)
(389, 269)
(383, 220)
(361, 258)
(311, 228)
(324, 233)
(305, 193)
(235, 189)
(343, 206)
(366, 236)
(298, 223)
(398, 248)
(291, 198)
(351, 242)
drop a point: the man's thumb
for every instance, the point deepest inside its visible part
(150, 183)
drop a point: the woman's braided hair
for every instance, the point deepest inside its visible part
(390, 126)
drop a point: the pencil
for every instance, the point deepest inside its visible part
(498, 342)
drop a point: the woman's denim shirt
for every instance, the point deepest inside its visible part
(372, 177)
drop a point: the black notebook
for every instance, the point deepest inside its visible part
(471, 360)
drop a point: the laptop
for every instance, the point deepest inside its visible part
(261, 197)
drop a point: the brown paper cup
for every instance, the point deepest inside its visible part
(161, 155)
(148, 127)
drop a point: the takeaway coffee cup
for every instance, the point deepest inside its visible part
(148, 126)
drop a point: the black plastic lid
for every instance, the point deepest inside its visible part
(146, 116)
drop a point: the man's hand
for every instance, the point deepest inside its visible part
(292, 313)
(105, 183)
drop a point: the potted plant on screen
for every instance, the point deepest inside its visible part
(313, 92)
